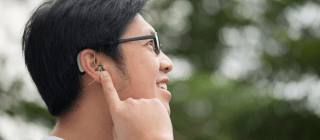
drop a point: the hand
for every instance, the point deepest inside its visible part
(136, 119)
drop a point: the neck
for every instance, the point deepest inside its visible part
(90, 120)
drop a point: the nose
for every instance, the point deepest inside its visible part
(165, 63)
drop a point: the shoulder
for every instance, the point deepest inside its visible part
(51, 138)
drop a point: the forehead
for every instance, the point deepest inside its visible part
(138, 27)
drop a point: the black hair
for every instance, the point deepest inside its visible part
(58, 30)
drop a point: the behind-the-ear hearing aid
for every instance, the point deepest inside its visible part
(100, 68)
(81, 68)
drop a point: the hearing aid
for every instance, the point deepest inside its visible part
(100, 68)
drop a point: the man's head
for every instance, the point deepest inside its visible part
(59, 30)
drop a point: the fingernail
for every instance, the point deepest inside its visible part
(104, 73)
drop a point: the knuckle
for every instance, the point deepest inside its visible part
(109, 89)
(130, 100)
(156, 100)
(143, 100)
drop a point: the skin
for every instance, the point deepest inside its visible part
(118, 106)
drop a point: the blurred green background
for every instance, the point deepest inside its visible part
(243, 69)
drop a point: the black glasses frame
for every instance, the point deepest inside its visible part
(154, 36)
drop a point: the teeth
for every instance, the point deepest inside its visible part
(162, 85)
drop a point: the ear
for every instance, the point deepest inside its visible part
(89, 62)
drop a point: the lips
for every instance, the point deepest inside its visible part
(162, 83)
(162, 86)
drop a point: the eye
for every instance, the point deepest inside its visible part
(150, 42)
(155, 50)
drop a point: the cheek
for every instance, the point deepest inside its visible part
(143, 74)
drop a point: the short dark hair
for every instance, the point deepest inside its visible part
(58, 30)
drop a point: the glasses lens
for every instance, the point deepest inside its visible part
(158, 45)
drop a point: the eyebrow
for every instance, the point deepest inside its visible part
(152, 32)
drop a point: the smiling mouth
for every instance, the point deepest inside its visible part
(162, 86)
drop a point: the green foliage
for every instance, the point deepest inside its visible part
(237, 109)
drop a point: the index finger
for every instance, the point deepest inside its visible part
(109, 90)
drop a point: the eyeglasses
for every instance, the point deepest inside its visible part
(157, 45)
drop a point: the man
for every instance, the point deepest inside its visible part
(99, 68)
